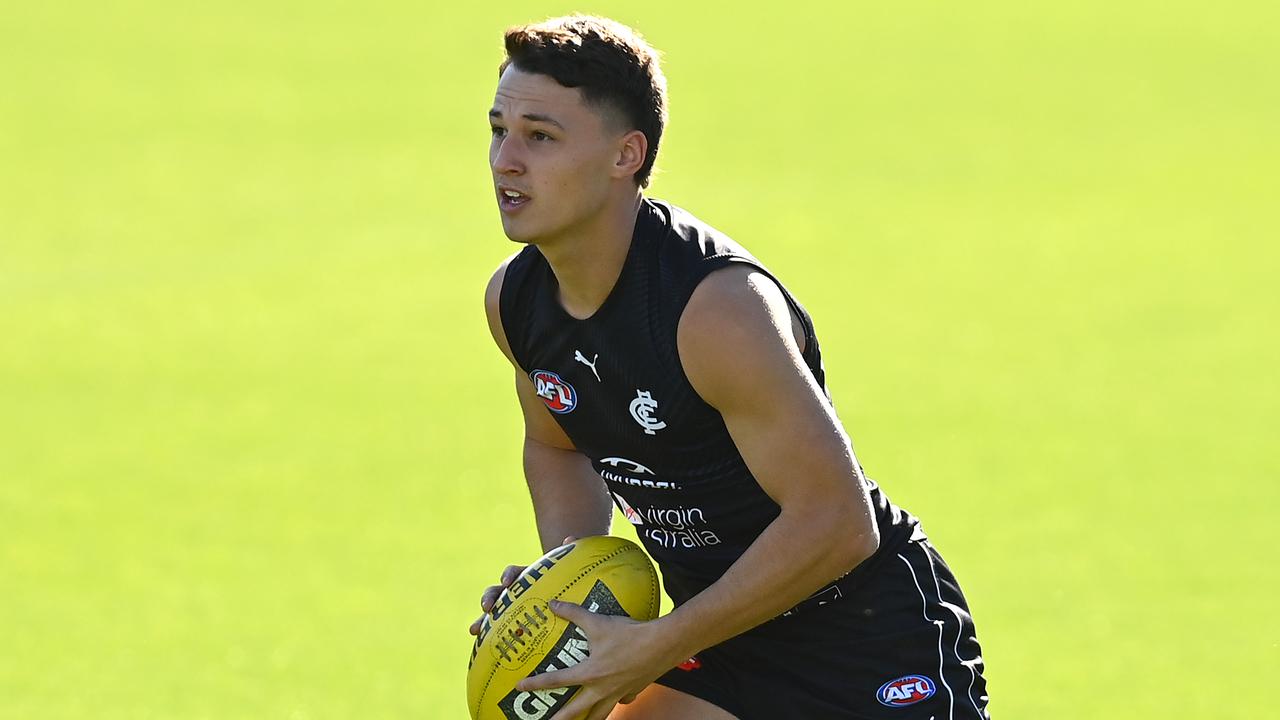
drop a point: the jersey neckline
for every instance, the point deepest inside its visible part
(610, 300)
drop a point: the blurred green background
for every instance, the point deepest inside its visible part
(258, 455)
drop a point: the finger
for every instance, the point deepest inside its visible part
(490, 597)
(578, 708)
(510, 574)
(475, 627)
(558, 679)
(568, 539)
(575, 614)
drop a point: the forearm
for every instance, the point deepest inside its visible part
(796, 555)
(569, 498)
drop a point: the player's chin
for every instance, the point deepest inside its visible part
(526, 231)
(517, 231)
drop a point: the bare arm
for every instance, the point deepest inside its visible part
(747, 365)
(569, 498)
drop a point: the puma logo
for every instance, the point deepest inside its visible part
(579, 357)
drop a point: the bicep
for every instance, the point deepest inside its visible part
(538, 423)
(539, 426)
(739, 352)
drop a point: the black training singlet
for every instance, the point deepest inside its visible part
(615, 384)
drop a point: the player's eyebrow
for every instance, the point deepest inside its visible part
(496, 114)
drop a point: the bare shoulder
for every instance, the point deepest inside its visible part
(737, 291)
(492, 307)
(736, 328)
(493, 291)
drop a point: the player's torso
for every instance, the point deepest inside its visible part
(664, 454)
(615, 385)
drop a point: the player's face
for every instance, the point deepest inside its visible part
(550, 155)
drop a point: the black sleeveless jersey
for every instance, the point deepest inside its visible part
(615, 384)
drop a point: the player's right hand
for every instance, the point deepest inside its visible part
(490, 595)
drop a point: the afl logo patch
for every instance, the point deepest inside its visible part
(559, 395)
(906, 690)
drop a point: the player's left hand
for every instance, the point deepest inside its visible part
(625, 657)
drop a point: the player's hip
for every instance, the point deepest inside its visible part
(900, 643)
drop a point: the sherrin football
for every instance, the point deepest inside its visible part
(522, 637)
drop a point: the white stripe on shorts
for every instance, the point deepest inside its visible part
(924, 606)
(973, 674)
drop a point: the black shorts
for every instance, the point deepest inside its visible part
(900, 645)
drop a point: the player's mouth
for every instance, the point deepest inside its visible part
(511, 200)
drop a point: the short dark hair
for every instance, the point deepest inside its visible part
(609, 62)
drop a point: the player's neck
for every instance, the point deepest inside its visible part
(587, 264)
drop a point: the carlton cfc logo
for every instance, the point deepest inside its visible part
(907, 690)
(559, 395)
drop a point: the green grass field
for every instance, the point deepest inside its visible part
(258, 455)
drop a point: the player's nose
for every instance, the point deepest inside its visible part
(505, 159)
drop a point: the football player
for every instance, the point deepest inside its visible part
(662, 368)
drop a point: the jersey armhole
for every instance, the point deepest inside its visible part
(506, 306)
(722, 261)
(713, 263)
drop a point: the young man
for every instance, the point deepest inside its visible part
(659, 365)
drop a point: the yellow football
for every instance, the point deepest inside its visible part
(522, 637)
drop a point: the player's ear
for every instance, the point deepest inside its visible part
(632, 149)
